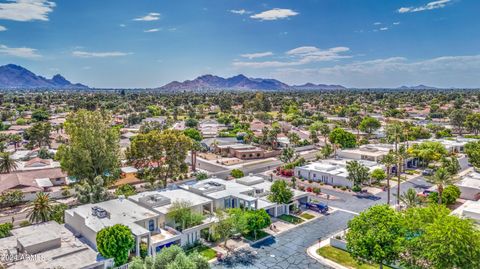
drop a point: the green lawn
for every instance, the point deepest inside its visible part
(291, 219)
(307, 216)
(205, 251)
(260, 234)
(343, 258)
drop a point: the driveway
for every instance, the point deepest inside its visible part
(288, 250)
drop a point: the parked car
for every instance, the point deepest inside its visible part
(427, 172)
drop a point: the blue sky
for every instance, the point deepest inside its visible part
(147, 43)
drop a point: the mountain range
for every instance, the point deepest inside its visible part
(16, 77)
(240, 82)
(418, 87)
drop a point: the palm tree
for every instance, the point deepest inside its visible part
(7, 163)
(389, 161)
(442, 178)
(42, 209)
(401, 155)
(410, 198)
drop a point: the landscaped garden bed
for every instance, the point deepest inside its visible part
(205, 251)
(260, 235)
(291, 219)
(342, 257)
(307, 216)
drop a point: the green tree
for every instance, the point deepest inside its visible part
(428, 151)
(472, 149)
(458, 118)
(378, 174)
(191, 123)
(369, 125)
(115, 242)
(183, 216)
(441, 178)
(5, 229)
(40, 115)
(374, 236)
(126, 190)
(193, 134)
(91, 191)
(472, 123)
(161, 155)
(42, 208)
(7, 163)
(237, 173)
(38, 135)
(450, 195)
(410, 198)
(11, 198)
(389, 161)
(224, 227)
(58, 213)
(343, 138)
(450, 242)
(294, 138)
(280, 192)
(93, 146)
(287, 155)
(357, 173)
(257, 220)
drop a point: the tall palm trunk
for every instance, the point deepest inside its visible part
(440, 192)
(388, 185)
(398, 180)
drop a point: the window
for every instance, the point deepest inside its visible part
(151, 225)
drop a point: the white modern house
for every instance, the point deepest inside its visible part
(370, 152)
(470, 209)
(161, 202)
(262, 191)
(332, 171)
(469, 186)
(50, 245)
(455, 145)
(146, 226)
(250, 192)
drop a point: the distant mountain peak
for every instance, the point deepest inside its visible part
(212, 82)
(16, 76)
(418, 87)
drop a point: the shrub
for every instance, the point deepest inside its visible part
(25, 223)
(355, 188)
(237, 173)
(5, 229)
(316, 190)
(449, 196)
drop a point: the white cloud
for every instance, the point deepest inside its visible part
(239, 11)
(86, 54)
(274, 14)
(257, 55)
(21, 52)
(428, 6)
(122, 25)
(152, 16)
(396, 23)
(383, 29)
(152, 30)
(299, 56)
(3, 28)
(377, 23)
(26, 10)
(445, 71)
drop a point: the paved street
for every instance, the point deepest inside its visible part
(288, 250)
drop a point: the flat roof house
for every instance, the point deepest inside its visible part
(161, 202)
(332, 171)
(50, 245)
(87, 220)
(469, 186)
(248, 192)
